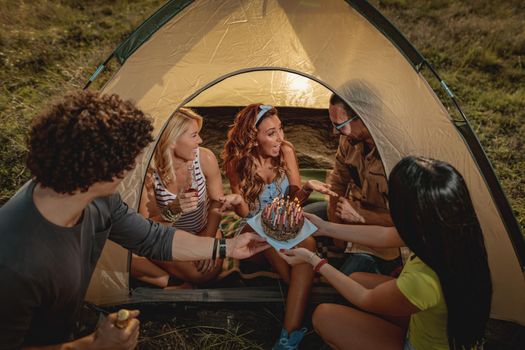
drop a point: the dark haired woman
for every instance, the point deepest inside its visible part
(445, 286)
(261, 165)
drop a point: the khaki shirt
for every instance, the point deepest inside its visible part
(361, 178)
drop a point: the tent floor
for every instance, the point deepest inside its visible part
(265, 294)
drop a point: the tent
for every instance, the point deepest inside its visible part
(295, 53)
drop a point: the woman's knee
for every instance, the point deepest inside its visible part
(321, 316)
(357, 276)
(197, 277)
(279, 264)
(309, 244)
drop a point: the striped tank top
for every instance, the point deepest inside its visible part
(194, 221)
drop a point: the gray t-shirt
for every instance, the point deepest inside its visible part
(45, 269)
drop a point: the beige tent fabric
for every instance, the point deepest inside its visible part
(329, 41)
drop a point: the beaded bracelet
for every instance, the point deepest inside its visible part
(320, 264)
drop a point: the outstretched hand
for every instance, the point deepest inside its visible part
(320, 187)
(245, 245)
(296, 256)
(322, 226)
(230, 201)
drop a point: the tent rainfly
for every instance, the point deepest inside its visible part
(295, 53)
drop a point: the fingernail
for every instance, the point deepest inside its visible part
(281, 250)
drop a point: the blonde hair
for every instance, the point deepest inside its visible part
(177, 125)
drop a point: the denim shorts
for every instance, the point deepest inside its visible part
(362, 262)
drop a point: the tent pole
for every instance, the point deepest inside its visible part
(99, 69)
(489, 175)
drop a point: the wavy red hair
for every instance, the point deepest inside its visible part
(240, 151)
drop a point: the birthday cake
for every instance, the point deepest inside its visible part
(282, 219)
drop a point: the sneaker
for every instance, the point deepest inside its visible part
(295, 338)
(282, 342)
(289, 341)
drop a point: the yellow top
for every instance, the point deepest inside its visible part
(420, 285)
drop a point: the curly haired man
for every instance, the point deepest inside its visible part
(54, 228)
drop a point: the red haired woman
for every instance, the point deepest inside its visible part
(262, 165)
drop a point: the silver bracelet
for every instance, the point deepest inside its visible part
(311, 257)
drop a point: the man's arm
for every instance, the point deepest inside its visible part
(107, 336)
(153, 240)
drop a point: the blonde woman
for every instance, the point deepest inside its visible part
(183, 188)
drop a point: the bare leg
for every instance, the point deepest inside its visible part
(300, 279)
(146, 271)
(187, 271)
(158, 272)
(299, 291)
(278, 264)
(343, 327)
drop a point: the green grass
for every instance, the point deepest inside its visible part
(46, 49)
(50, 47)
(478, 48)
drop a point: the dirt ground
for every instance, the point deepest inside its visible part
(185, 326)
